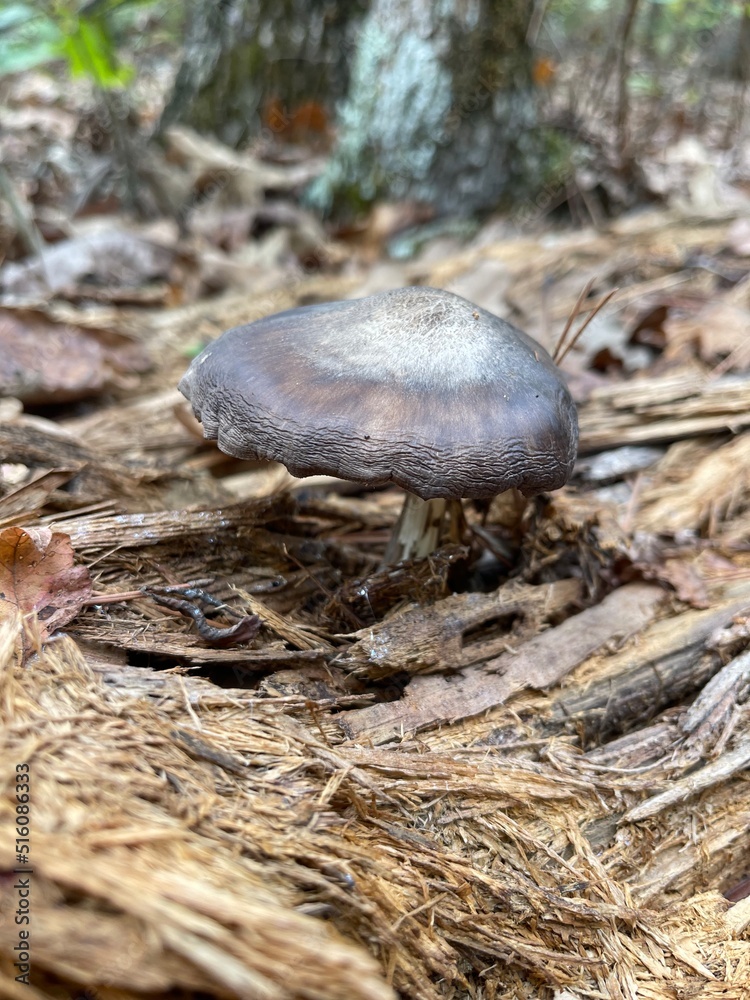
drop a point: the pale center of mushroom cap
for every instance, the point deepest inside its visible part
(422, 341)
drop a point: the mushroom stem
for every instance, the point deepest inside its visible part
(416, 534)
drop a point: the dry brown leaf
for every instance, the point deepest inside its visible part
(38, 574)
(110, 258)
(720, 331)
(686, 580)
(43, 362)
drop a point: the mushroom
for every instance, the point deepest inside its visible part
(416, 387)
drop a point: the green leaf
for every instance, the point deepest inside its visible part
(34, 34)
(90, 53)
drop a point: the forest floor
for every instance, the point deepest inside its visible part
(262, 764)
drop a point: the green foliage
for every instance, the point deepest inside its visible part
(84, 37)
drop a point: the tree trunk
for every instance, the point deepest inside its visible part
(727, 50)
(249, 64)
(440, 109)
(743, 48)
(438, 104)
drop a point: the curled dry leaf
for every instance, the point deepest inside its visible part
(38, 575)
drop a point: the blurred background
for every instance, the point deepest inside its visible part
(250, 141)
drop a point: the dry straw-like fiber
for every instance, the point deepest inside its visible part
(209, 841)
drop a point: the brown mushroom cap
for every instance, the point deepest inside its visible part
(416, 387)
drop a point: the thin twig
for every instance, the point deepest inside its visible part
(573, 313)
(623, 75)
(560, 355)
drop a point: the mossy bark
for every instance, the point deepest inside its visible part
(435, 100)
(440, 109)
(242, 54)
